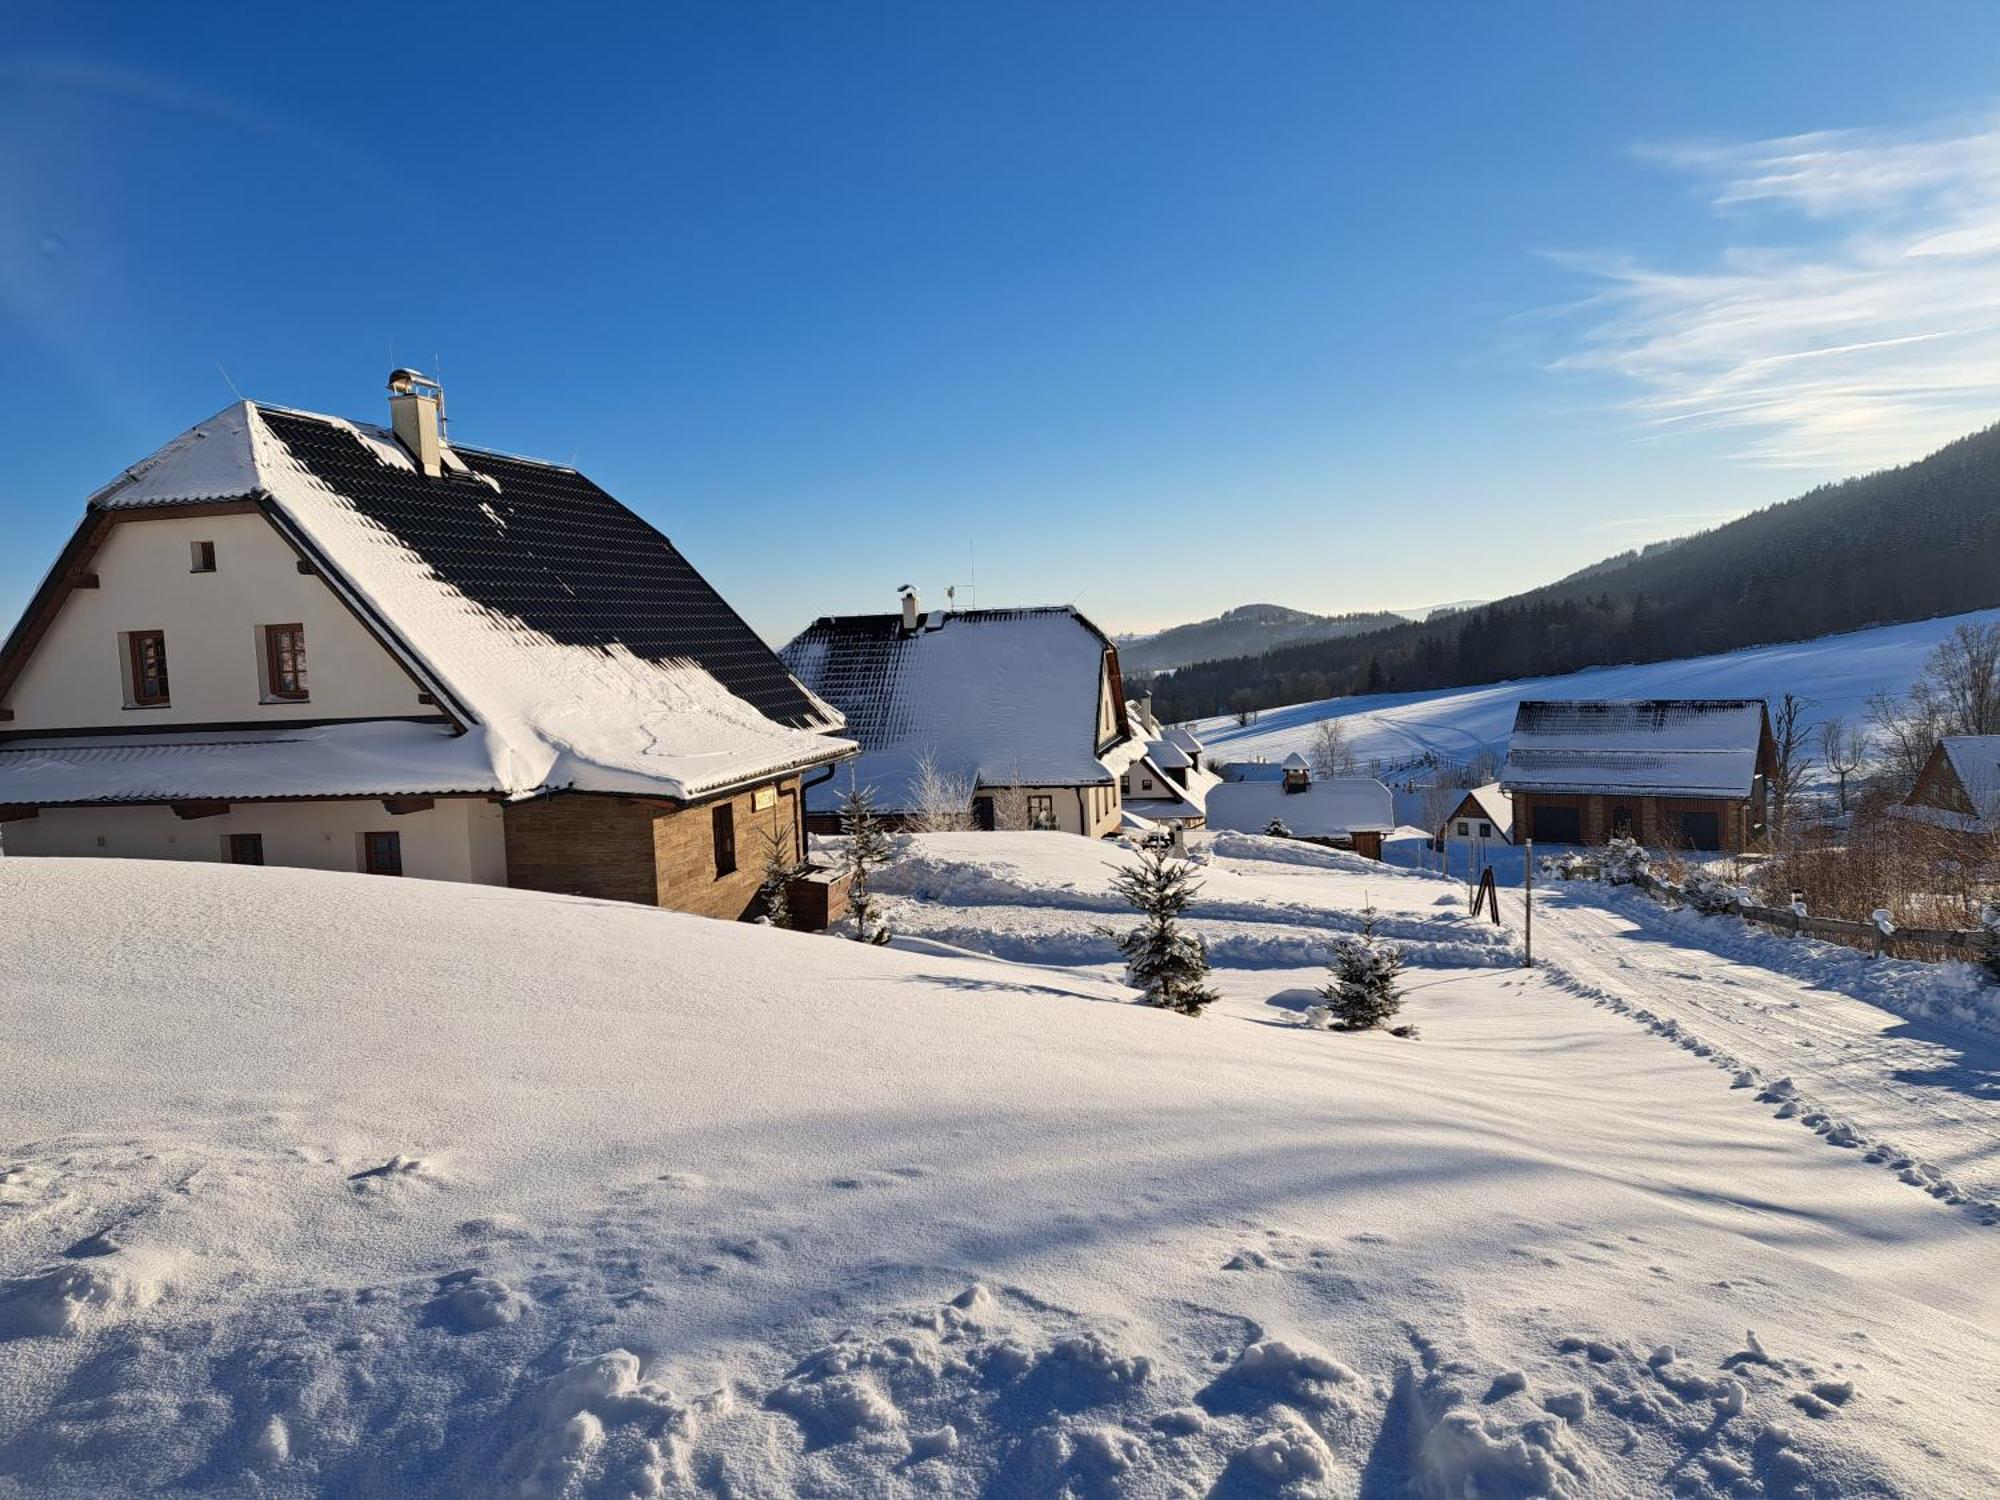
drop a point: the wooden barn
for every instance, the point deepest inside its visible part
(1684, 773)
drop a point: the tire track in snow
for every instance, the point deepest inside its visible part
(1818, 1056)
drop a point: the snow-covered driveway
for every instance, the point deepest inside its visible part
(1918, 1093)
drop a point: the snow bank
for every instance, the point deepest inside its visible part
(471, 1191)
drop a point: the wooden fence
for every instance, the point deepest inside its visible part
(1930, 943)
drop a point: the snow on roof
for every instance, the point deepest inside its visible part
(1296, 762)
(1699, 747)
(1168, 756)
(580, 644)
(379, 759)
(1490, 803)
(1976, 759)
(1169, 800)
(995, 697)
(1185, 738)
(1328, 808)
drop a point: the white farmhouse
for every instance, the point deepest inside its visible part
(1017, 715)
(291, 639)
(1348, 810)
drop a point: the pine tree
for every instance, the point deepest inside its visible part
(1363, 992)
(780, 869)
(1167, 963)
(868, 849)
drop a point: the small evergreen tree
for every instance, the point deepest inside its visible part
(1276, 829)
(868, 849)
(780, 869)
(1169, 964)
(1363, 992)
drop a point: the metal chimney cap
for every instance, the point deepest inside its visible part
(404, 382)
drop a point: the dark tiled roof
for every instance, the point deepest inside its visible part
(566, 559)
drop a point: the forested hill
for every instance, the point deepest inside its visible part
(1247, 630)
(1903, 544)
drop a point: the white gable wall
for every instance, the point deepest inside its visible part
(214, 624)
(457, 838)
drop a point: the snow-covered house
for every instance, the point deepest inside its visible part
(1351, 810)
(1689, 772)
(1169, 783)
(291, 639)
(1959, 786)
(1018, 714)
(1484, 815)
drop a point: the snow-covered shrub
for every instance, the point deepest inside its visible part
(1710, 891)
(1363, 991)
(1565, 866)
(1884, 924)
(1168, 963)
(1623, 861)
(1276, 829)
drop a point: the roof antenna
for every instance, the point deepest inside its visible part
(228, 382)
(444, 421)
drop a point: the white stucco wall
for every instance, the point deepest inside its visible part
(1095, 817)
(214, 625)
(458, 838)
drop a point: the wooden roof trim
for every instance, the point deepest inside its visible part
(47, 603)
(72, 569)
(383, 630)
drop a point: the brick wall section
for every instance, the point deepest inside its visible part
(582, 846)
(630, 849)
(684, 852)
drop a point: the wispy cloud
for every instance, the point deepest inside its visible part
(1870, 336)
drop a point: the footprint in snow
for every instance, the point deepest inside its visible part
(397, 1170)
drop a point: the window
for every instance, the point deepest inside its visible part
(1042, 811)
(1146, 782)
(1463, 828)
(285, 663)
(243, 848)
(201, 557)
(722, 822)
(382, 853)
(149, 668)
(1486, 830)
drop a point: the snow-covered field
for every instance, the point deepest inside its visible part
(1837, 674)
(317, 1184)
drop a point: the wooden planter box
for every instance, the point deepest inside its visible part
(818, 899)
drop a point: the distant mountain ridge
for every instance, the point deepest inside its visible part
(1901, 544)
(1247, 630)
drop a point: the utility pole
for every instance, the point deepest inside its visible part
(1528, 906)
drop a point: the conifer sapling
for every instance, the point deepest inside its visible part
(1170, 965)
(868, 849)
(1363, 992)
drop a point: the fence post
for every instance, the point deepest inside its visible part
(1528, 906)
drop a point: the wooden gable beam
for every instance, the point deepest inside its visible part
(397, 806)
(193, 810)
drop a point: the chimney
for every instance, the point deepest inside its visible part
(416, 411)
(909, 593)
(1146, 713)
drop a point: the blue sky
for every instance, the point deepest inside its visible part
(1158, 308)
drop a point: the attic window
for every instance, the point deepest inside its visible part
(285, 663)
(147, 658)
(201, 557)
